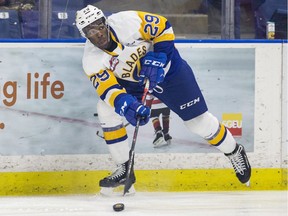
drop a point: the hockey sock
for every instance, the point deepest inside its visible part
(156, 124)
(166, 123)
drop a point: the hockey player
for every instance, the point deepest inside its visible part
(121, 51)
(162, 136)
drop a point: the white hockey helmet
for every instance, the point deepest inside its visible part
(88, 15)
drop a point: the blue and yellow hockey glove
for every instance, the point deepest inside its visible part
(129, 107)
(152, 68)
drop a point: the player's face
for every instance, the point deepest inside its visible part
(97, 33)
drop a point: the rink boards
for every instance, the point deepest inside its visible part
(40, 140)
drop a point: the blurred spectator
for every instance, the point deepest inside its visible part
(263, 12)
(4, 4)
(10, 26)
(17, 4)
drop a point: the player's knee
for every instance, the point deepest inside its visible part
(205, 125)
(208, 127)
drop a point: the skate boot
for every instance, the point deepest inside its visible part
(167, 138)
(240, 164)
(118, 177)
(159, 139)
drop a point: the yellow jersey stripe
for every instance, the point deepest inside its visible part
(113, 95)
(165, 37)
(107, 86)
(105, 80)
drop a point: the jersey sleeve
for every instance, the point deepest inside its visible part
(157, 29)
(103, 79)
(107, 86)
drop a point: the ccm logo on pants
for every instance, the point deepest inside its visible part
(190, 103)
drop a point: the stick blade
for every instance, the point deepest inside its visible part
(129, 181)
(127, 186)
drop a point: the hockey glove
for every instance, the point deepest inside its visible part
(129, 107)
(152, 68)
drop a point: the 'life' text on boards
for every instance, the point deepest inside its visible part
(38, 87)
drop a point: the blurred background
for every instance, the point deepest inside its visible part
(191, 19)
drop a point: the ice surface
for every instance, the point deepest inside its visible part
(252, 203)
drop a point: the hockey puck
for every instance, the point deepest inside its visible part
(118, 207)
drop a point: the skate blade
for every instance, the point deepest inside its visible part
(117, 191)
(159, 143)
(247, 183)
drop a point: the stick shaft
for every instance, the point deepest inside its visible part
(128, 182)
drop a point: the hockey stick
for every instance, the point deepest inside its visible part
(128, 181)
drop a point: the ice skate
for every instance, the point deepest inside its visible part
(159, 140)
(167, 138)
(240, 164)
(116, 179)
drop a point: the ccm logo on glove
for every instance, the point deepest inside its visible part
(154, 63)
(123, 108)
(152, 68)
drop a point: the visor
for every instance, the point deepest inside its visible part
(94, 27)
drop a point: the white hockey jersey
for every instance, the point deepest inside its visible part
(135, 33)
